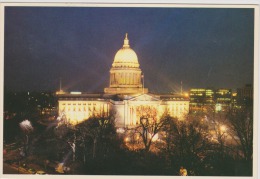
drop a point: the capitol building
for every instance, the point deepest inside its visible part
(125, 97)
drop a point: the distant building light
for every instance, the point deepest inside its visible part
(120, 130)
(218, 107)
(127, 139)
(75, 92)
(223, 128)
(186, 94)
(60, 92)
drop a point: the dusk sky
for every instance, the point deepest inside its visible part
(202, 47)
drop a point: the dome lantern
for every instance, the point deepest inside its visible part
(126, 57)
(126, 42)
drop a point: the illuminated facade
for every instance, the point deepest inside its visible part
(223, 96)
(245, 95)
(201, 98)
(125, 97)
(223, 99)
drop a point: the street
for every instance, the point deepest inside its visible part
(8, 169)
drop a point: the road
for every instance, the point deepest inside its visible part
(8, 169)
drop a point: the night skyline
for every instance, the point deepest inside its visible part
(200, 47)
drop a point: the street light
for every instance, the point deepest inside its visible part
(223, 128)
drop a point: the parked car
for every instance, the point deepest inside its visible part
(31, 171)
(40, 172)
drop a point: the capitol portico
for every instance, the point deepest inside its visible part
(126, 96)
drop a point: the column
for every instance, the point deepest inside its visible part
(134, 115)
(114, 79)
(126, 78)
(131, 113)
(128, 116)
(120, 78)
(129, 78)
(125, 114)
(132, 78)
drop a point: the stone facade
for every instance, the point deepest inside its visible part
(125, 97)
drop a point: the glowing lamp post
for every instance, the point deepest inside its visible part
(223, 129)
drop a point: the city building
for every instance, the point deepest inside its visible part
(245, 95)
(234, 99)
(223, 99)
(202, 99)
(126, 97)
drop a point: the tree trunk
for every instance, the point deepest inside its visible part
(94, 148)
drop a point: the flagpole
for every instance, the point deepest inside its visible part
(143, 82)
(181, 87)
(60, 84)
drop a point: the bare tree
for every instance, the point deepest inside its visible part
(241, 128)
(189, 142)
(150, 125)
(99, 129)
(218, 126)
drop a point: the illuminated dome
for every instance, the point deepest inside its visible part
(125, 74)
(126, 57)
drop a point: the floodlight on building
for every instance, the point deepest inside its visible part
(75, 92)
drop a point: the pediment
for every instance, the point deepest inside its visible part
(145, 97)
